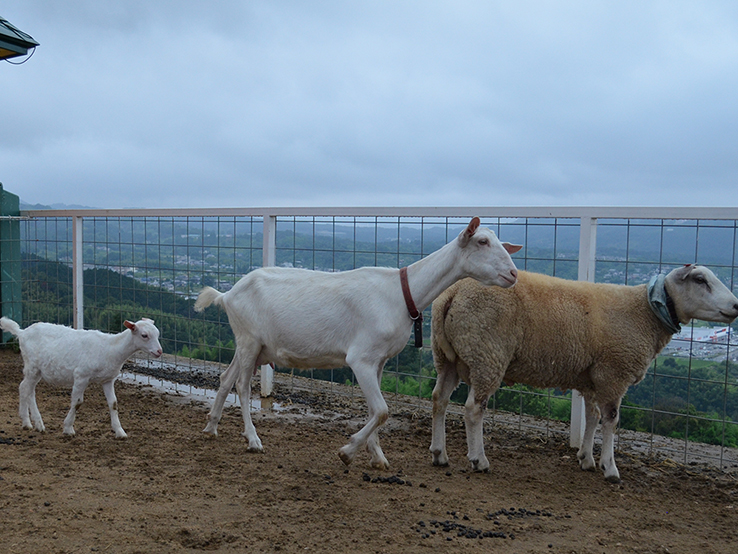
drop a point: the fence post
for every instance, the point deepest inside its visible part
(269, 259)
(78, 273)
(10, 258)
(587, 249)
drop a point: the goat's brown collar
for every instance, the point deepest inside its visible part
(415, 315)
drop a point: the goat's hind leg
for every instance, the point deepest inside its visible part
(109, 390)
(27, 407)
(243, 386)
(227, 379)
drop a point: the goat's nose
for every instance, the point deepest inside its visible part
(514, 273)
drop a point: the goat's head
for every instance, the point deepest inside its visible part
(145, 336)
(486, 259)
(699, 294)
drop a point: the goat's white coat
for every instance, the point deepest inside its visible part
(67, 357)
(310, 319)
(546, 332)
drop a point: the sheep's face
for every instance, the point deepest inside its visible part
(485, 258)
(146, 336)
(699, 294)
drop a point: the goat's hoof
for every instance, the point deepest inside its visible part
(614, 479)
(121, 436)
(345, 458)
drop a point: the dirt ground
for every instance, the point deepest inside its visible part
(168, 488)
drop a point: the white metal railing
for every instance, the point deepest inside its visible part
(587, 216)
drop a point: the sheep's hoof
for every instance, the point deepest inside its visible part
(211, 430)
(479, 466)
(380, 464)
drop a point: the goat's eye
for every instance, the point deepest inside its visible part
(483, 241)
(144, 336)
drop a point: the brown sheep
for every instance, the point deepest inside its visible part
(548, 332)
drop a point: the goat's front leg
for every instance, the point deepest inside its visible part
(109, 390)
(78, 398)
(368, 376)
(243, 386)
(474, 420)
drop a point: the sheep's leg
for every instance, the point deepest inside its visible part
(243, 386)
(446, 383)
(474, 420)
(109, 390)
(592, 416)
(78, 397)
(27, 408)
(368, 376)
(610, 418)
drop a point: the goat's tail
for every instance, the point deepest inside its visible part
(10, 326)
(207, 296)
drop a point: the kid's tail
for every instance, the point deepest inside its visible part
(10, 326)
(207, 296)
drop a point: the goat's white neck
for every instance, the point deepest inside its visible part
(123, 345)
(433, 274)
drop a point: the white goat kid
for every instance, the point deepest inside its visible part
(67, 357)
(306, 319)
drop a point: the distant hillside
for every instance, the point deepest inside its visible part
(25, 206)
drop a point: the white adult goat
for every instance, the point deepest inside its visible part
(310, 319)
(68, 357)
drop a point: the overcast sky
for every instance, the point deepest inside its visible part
(370, 103)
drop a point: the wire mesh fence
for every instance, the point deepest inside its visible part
(153, 264)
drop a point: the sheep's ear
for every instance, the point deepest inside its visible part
(683, 272)
(131, 326)
(468, 233)
(511, 248)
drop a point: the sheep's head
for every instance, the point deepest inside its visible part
(145, 336)
(699, 294)
(487, 259)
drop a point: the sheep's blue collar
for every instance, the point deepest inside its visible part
(662, 304)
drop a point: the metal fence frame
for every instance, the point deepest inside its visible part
(587, 216)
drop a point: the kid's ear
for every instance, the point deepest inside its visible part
(131, 326)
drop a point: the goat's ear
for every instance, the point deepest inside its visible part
(468, 233)
(511, 248)
(131, 326)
